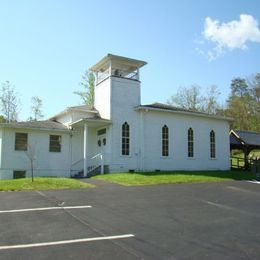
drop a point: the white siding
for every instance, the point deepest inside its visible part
(146, 135)
(178, 145)
(1, 141)
(125, 97)
(46, 163)
(103, 98)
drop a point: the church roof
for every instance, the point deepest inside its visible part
(169, 108)
(81, 108)
(43, 124)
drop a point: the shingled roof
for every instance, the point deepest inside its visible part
(165, 107)
(168, 107)
(44, 124)
(82, 108)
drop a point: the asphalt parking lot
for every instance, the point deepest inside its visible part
(180, 221)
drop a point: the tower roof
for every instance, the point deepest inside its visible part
(117, 62)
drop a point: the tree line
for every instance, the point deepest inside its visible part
(242, 104)
(10, 105)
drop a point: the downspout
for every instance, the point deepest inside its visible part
(142, 140)
(70, 152)
(85, 152)
(1, 155)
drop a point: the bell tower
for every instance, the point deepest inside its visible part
(117, 85)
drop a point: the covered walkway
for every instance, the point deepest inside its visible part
(245, 141)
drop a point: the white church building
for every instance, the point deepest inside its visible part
(118, 134)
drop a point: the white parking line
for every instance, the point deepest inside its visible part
(65, 242)
(41, 209)
(256, 182)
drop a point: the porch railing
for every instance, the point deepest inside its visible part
(93, 162)
(240, 163)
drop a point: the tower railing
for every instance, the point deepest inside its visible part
(133, 74)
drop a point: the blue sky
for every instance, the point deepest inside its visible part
(45, 46)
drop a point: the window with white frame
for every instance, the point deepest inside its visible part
(125, 139)
(190, 143)
(212, 144)
(165, 140)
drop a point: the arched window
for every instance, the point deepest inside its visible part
(125, 139)
(212, 144)
(190, 143)
(165, 141)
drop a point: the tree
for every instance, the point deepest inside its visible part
(239, 110)
(254, 84)
(2, 119)
(88, 83)
(188, 98)
(36, 108)
(243, 103)
(9, 102)
(254, 90)
(239, 87)
(31, 155)
(211, 105)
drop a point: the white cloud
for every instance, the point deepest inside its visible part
(232, 35)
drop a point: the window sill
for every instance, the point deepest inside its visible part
(166, 157)
(126, 156)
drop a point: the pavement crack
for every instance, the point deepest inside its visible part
(53, 200)
(60, 203)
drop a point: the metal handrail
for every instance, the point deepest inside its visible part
(93, 163)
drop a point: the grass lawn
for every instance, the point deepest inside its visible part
(151, 178)
(43, 183)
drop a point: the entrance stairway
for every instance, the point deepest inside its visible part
(96, 167)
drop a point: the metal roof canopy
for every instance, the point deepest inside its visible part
(244, 139)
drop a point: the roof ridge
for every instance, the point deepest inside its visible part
(246, 131)
(177, 108)
(81, 106)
